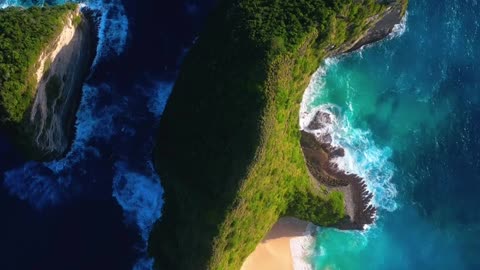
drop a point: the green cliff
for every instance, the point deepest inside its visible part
(45, 53)
(228, 149)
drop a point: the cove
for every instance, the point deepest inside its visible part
(407, 114)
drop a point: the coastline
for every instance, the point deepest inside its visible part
(319, 154)
(316, 138)
(244, 180)
(52, 115)
(285, 247)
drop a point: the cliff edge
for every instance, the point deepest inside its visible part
(38, 106)
(318, 150)
(228, 149)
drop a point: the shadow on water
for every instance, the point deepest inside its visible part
(87, 229)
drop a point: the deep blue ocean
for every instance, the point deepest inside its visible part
(407, 112)
(94, 208)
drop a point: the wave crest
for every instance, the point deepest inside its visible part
(139, 193)
(362, 156)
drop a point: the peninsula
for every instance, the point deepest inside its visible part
(229, 147)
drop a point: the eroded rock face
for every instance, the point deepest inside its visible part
(318, 149)
(382, 25)
(60, 73)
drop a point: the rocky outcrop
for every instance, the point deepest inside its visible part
(60, 73)
(382, 25)
(319, 152)
(237, 166)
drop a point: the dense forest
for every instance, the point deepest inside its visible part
(228, 148)
(24, 34)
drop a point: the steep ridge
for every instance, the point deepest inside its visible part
(59, 88)
(228, 150)
(53, 85)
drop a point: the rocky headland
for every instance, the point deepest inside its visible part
(319, 152)
(229, 147)
(61, 71)
(52, 86)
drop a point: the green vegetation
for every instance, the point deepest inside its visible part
(77, 21)
(228, 149)
(24, 34)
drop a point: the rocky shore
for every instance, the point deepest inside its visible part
(319, 153)
(318, 150)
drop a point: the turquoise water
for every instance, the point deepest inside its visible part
(407, 111)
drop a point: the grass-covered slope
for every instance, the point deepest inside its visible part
(228, 149)
(24, 34)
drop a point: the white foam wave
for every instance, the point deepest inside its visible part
(94, 121)
(139, 193)
(112, 28)
(301, 249)
(400, 28)
(317, 82)
(7, 4)
(44, 184)
(362, 156)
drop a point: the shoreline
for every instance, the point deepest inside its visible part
(318, 150)
(285, 247)
(319, 153)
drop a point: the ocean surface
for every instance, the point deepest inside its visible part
(407, 111)
(94, 208)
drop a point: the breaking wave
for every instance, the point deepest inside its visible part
(362, 156)
(139, 193)
(45, 184)
(400, 28)
(135, 185)
(105, 118)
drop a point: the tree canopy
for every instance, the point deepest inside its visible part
(24, 34)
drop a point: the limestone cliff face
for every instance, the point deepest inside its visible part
(60, 73)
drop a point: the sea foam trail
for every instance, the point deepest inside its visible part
(362, 156)
(102, 117)
(400, 28)
(112, 28)
(45, 184)
(301, 248)
(135, 185)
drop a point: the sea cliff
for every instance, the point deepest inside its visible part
(228, 149)
(316, 145)
(38, 105)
